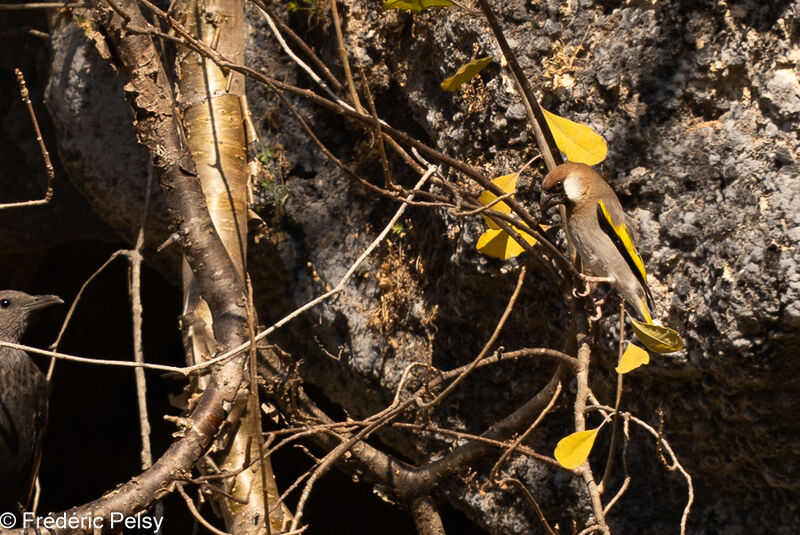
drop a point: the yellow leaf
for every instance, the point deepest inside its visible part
(465, 73)
(574, 449)
(633, 357)
(579, 142)
(498, 244)
(416, 5)
(657, 338)
(507, 183)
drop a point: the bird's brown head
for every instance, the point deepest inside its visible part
(567, 184)
(16, 309)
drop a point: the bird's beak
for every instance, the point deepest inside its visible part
(548, 200)
(43, 301)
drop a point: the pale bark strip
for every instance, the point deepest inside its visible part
(210, 100)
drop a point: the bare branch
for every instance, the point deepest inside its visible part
(517, 483)
(41, 5)
(303, 46)
(506, 454)
(135, 257)
(544, 138)
(48, 166)
(426, 517)
(195, 513)
(492, 339)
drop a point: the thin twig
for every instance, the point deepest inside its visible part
(195, 513)
(183, 370)
(484, 208)
(378, 134)
(593, 528)
(135, 258)
(71, 311)
(271, 21)
(302, 44)
(610, 461)
(328, 462)
(41, 5)
(517, 483)
(676, 465)
(582, 394)
(522, 450)
(544, 138)
(492, 339)
(348, 74)
(48, 165)
(507, 453)
(532, 352)
(627, 481)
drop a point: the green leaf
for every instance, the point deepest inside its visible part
(573, 450)
(466, 73)
(657, 338)
(301, 5)
(579, 142)
(498, 244)
(633, 357)
(416, 5)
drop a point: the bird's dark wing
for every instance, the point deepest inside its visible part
(620, 237)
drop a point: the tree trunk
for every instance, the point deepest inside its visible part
(211, 102)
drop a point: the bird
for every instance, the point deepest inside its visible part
(24, 393)
(596, 225)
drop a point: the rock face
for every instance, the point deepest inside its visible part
(700, 105)
(97, 144)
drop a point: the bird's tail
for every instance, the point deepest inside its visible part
(644, 305)
(645, 312)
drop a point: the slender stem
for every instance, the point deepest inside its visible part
(135, 258)
(48, 166)
(492, 339)
(507, 453)
(348, 74)
(426, 516)
(615, 428)
(302, 44)
(544, 138)
(41, 5)
(517, 483)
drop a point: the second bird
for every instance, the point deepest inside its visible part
(23, 401)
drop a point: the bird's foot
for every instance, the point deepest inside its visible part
(588, 283)
(598, 313)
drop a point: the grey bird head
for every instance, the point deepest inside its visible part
(15, 310)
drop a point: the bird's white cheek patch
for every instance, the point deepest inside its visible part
(573, 188)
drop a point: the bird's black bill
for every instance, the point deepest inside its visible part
(549, 200)
(43, 301)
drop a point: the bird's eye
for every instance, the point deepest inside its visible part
(5, 303)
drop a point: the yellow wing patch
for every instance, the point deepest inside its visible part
(621, 233)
